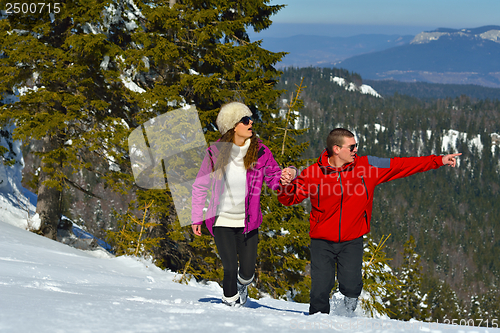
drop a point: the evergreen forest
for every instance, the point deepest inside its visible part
(452, 214)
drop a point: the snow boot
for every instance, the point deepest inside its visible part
(232, 301)
(242, 286)
(350, 304)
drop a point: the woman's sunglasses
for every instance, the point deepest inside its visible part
(245, 120)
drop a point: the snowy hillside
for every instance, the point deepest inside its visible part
(17, 204)
(364, 89)
(47, 286)
(450, 140)
(303, 121)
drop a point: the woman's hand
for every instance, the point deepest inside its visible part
(196, 229)
(287, 175)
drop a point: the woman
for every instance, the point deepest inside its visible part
(234, 170)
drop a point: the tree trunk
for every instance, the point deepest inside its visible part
(48, 205)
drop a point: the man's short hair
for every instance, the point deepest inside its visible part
(336, 138)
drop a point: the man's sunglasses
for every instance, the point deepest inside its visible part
(351, 147)
(245, 120)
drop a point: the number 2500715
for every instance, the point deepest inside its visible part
(31, 8)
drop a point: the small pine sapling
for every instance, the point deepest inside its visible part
(379, 280)
(133, 235)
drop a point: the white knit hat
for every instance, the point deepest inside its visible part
(230, 114)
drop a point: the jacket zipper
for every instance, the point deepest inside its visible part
(318, 196)
(366, 189)
(339, 178)
(247, 209)
(364, 184)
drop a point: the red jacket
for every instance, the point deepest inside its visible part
(342, 198)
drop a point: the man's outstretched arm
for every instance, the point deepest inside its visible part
(399, 167)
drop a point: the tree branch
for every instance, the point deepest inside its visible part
(78, 187)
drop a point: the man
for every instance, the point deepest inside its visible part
(341, 186)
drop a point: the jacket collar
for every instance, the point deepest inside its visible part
(325, 166)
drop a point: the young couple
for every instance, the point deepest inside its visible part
(340, 185)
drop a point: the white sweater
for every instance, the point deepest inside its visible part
(231, 210)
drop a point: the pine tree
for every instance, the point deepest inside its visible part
(443, 301)
(490, 303)
(483, 309)
(411, 302)
(69, 99)
(99, 69)
(199, 53)
(379, 281)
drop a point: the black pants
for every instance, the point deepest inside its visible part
(231, 244)
(348, 259)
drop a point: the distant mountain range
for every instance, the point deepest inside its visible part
(322, 51)
(453, 56)
(466, 56)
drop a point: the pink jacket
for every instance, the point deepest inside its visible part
(266, 169)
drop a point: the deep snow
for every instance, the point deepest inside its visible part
(46, 286)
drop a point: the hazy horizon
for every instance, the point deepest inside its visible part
(281, 30)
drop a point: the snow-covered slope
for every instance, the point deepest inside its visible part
(364, 89)
(450, 141)
(46, 286)
(16, 203)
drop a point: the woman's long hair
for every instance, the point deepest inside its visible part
(249, 160)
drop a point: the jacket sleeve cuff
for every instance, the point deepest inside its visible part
(439, 160)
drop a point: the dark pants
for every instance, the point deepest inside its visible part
(348, 259)
(231, 244)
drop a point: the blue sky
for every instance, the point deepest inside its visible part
(383, 16)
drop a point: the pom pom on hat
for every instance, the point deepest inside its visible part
(230, 114)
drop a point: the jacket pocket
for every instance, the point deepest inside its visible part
(315, 222)
(315, 215)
